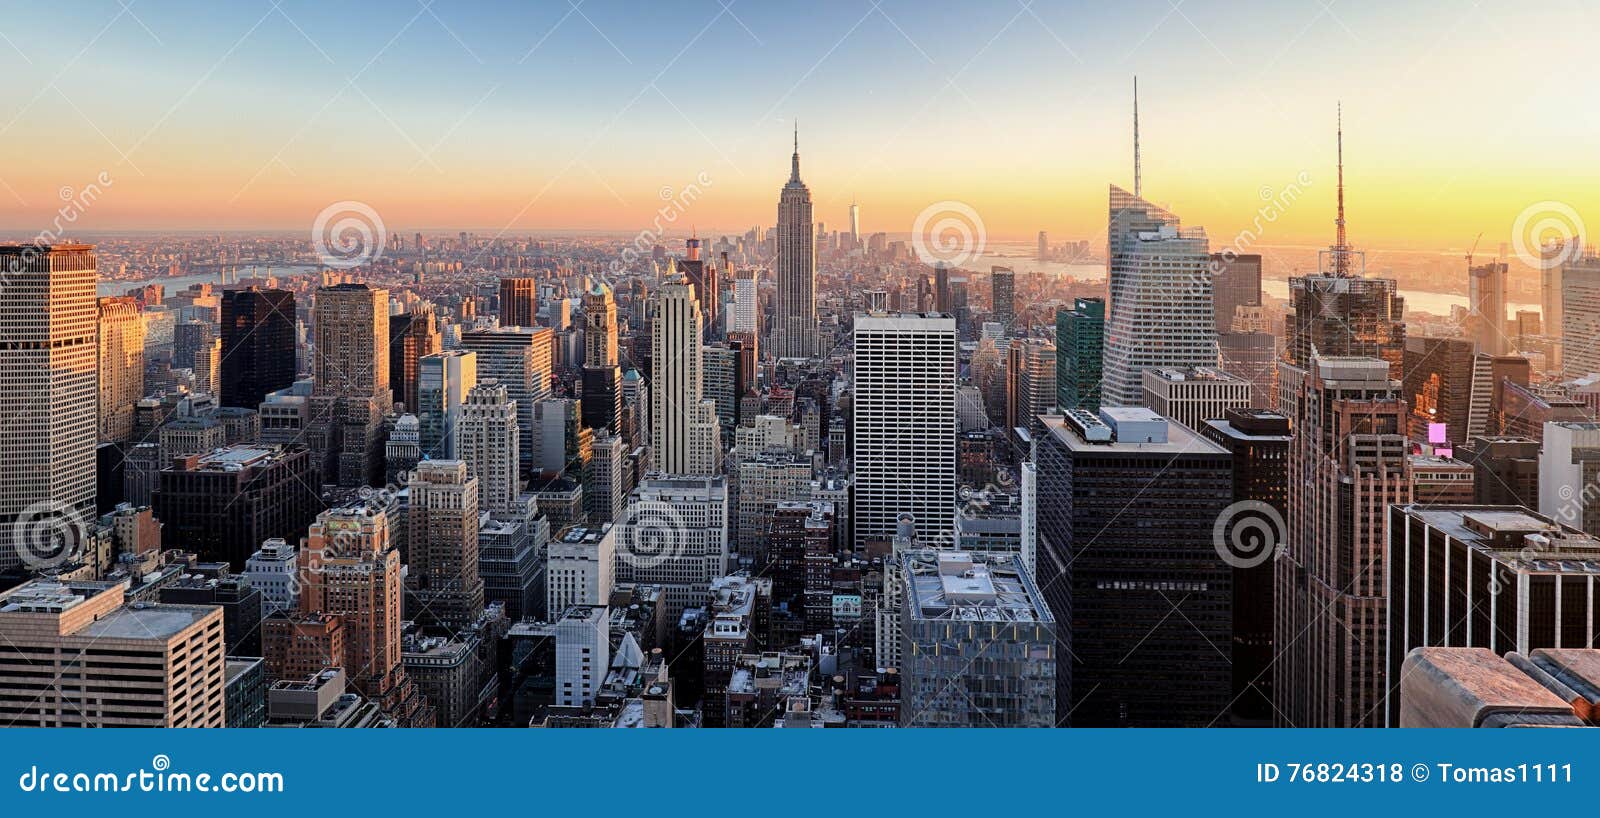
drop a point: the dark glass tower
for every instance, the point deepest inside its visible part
(258, 344)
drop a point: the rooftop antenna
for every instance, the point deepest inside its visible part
(1341, 250)
(1137, 186)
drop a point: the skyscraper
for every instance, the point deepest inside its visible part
(1128, 564)
(1004, 676)
(746, 303)
(1003, 286)
(1569, 471)
(1259, 442)
(83, 655)
(1031, 368)
(488, 441)
(582, 564)
(121, 366)
(411, 336)
(1160, 311)
(443, 381)
(1438, 389)
(223, 504)
(675, 534)
(1486, 304)
(794, 330)
(444, 586)
(1340, 312)
(602, 378)
(685, 436)
(48, 399)
(350, 392)
(208, 370)
(1347, 464)
(1194, 396)
(258, 345)
(702, 276)
(1580, 316)
(350, 569)
(1080, 349)
(1235, 282)
(1499, 578)
(519, 301)
(519, 358)
(904, 424)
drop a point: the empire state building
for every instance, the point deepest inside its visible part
(795, 332)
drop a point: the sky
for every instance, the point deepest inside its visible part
(550, 116)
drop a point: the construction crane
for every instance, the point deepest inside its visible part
(1473, 249)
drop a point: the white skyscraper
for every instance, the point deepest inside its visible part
(607, 494)
(675, 534)
(273, 571)
(794, 331)
(1568, 470)
(746, 307)
(904, 423)
(1579, 326)
(489, 442)
(685, 438)
(1160, 311)
(520, 358)
(580, 568)
(48, 398)
(583, 654)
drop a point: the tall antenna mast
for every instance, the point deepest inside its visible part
(1137, 184)
(1341, 250)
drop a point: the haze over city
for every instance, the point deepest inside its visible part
(522, 117)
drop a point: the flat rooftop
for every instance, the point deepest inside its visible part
(905, 322)
(1503, 533)
(952, 585)
(1180, 439)
(143, 620)
(1233, 432)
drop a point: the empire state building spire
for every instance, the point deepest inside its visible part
(794, 329)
